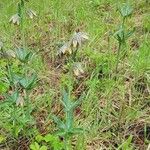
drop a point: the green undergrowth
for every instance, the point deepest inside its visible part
(94, 96)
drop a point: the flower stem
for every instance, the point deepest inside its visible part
(117, 59)
(27, 101)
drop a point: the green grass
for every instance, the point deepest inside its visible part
(114, 114)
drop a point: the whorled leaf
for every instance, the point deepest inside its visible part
(23, 55)
(31, 13)
(78, 38)
(126, 10)
(13, 97)
(58, 121)
(15, 19)
(77, 69)
(28, 82)
(119, 35)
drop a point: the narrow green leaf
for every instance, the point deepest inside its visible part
(129, 33)
(61, 133)
(69, 120)
(59, 123)
(65, 100)
(77, 130)
(126, 145)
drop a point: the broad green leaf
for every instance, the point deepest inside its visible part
(53, 141)
(119, 34)
(43, 148)
(48, 138)
(28, 82)
(57, 145)
(39, 138)
(24, 83)
(13, 97)
(34, 146)
(23, 55)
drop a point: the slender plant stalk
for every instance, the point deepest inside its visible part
(27, 102)
(22, 31)
(75, 53)
(117, 60)
(67, 143)
(14, 121)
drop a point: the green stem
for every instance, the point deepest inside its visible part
(123, 27)
(69, 123)
(69, 118)
(14, 121)
(27, 102)
(117, 59)
(21, 12)
(67, 143)
(74, 54)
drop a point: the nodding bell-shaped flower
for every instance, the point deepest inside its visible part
(77, 69)
(15, 19)
(9, 54)
(78, 38)
(31, 13)
(20, 101)
(66, 48)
